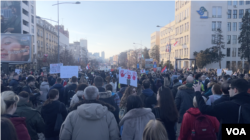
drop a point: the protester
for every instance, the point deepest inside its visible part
(9, 102)
(225, 94)
(114, 85)
(228, 112)
(8, 131)
(14, 83)
(148, 96)
(70, 91)
(91, 119)
(216, 90)
(116, 97)
(135, 120)
(166, 111)
(198, 79)
(60, 88)
(52, 80)
(209, 89)
(79, 93)
(34, 121)
(98, 82)
(175, 87)
(184, 100)
(45, 89)
(154, 130)
(122, 90)
(50, 110)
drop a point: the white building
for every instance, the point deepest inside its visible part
(84, 43)
(103, 54)
(194, 30)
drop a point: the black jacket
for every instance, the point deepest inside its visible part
(223, 98)
(34, 94)
(14, 83)
(184, 100)
(51, 81)
(66, 90)
(175, 89)
(49, 114)
(122, 90)
(60, 88)
(169, 126)
(148, 98)
(226, 111)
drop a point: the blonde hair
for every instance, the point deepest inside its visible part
(195, 101)
(8, 98)
(154, 130)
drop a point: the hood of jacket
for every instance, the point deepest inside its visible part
(106, 94)
(23, 104)
(92, 111)
(177, 84)
(15, 119)
(44, 83)
(79, 93)
(194, 111)
(101, 89)
(148, 92)
(57, 86)
(187, 89)
(134, 113)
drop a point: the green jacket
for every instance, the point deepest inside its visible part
(34, 121)
(202, 86)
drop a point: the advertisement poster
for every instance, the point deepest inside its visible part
(15, 48)
(11, 17)
(149, 63)
(126, 76)
(55, 68)
(68, 71)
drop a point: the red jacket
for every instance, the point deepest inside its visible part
(20, 126)
(188, 120)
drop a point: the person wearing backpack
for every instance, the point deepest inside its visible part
(228, 111)
(79, 93)
(69, 91)
(194, 122)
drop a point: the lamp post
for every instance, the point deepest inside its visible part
(169, 43)
(58, 21)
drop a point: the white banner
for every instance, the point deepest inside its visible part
(219, 72)
(126, 75)
(68, 71)
(229, 72)
(143, 71)
(55, 68)
(18, 71)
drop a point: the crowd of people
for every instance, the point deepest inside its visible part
(95, 106)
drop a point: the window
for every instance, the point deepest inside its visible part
(240, 24)
(228, 39)
(247, 2)
(187, 12)
(187, 39)
(214, 11)
(228, 64)
(32, 9)
(234, 52)
(32, 28)
(32, 19)
(229, 2)
(241, 13)
(235, 2)
(241, 2)
(228, 52)
(218, 24)
(25, 12)
(234, 26)
(235, 14)
(234, 39)
(229, 26)
(188, 26)
(213, 39)
(239, 53)
(219, 12)
(229, 13)
(213, 25)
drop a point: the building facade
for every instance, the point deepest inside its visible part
(195, 25)
(63, 37)
(103, 55)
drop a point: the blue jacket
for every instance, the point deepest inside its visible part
(60, 88)
(148, 98)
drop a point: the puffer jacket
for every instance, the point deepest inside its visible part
(134, 122)
(75, 99)
(91, 121)
(184, 100)
(45, 89)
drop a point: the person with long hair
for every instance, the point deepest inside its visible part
(8, 131)
(134, 121)
(123, 103)
(9, 102)
(154, 130)
(50, 109)
(166, 111)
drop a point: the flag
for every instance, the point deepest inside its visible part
(167, 48)
(87, 67)
(164, 69)
(175, 44)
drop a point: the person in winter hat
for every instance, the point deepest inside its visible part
(79, 93)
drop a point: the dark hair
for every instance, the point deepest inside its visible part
(24, 94)
(217, 88)
(197, 76)
(81, 87)
(224, 77)
(225, 88)
(240, 84)
(30, 79)
(146, 83)
(51, 95)
(98, 81)
(133, 102)
(8, 131)
(59, 80)
(176, 81)
(109, 87)
(74, 79)
(167, 106)
(123, 85)
(45, 79)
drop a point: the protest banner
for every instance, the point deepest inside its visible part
(68, 71)
(55, 68)
(229, 72)
(219, 72)
(18, 71)
(143, 71)
(128, 77)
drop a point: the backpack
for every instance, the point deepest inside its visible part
(203, 129)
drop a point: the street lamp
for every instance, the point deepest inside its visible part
(77, 2)
(168, 41)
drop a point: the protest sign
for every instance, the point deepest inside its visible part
(229, 72)
(55, 68)
(143, 71)
(68, 71)
(219, 72)
(18, 71)
(128, 77)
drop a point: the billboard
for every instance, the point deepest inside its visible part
(11, 17)
(15, 48)
(148, 63)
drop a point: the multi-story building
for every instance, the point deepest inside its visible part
(194, 30)
(155, 40)
(84, 43)
(97, 55)
(103, 54)
(115, 60)
(63, 37)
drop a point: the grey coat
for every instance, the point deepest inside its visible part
(134, 123)
(45, 89)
